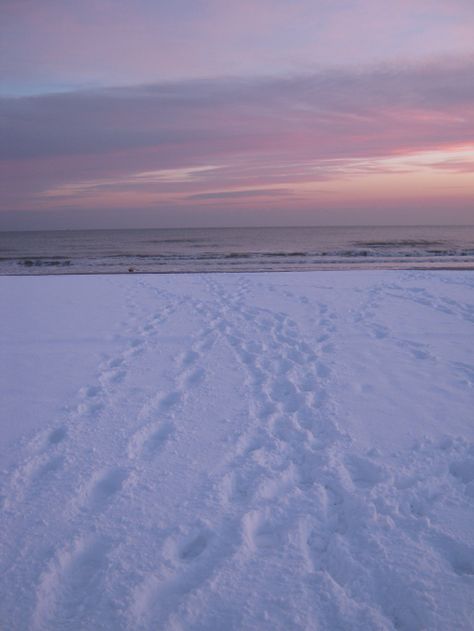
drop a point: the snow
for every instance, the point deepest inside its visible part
(243, 451)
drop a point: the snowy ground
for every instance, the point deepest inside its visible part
(265, 451)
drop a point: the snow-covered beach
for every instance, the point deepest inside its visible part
(242, 451)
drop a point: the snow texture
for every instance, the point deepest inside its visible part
(262, 451)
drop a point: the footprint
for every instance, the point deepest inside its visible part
(70, 589)
(277, 484)
(57, 435)
(115, 363)
(114, 376)
(189, 358)
(380, 331)
(328, 348)
(34, 475)
(364, 472)
(91, 392)
(170, 399)
(240, 485)
(467, 372)
(193, 548)
(149, 439)
(322, 370)
(259, 531)
(457, 553)
(463, 470)
(195, 377)
(91, 408)
(420, 354)
(158, 438)
(106, 486)
(283, 390)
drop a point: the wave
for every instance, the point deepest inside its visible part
(236, 250)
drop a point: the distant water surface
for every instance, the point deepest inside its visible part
(236, 249)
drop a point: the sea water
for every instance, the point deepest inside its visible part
(236, 249)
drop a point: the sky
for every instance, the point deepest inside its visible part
(146, 113)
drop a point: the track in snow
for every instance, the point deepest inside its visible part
(207, 475)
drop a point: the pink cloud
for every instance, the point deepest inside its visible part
(91, 149)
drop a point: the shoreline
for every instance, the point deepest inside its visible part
(274, 271)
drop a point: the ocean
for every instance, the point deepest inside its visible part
(236, 249)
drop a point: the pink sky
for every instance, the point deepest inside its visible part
(269, 113)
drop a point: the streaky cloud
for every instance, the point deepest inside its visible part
(340, 113)
(264, 192)
(268, 142)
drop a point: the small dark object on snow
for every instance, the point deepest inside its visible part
(131, 269)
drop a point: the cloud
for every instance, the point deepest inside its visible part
(120, 41)
(261, 192)
(183, 174)
(338, 112)
(232, 138)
